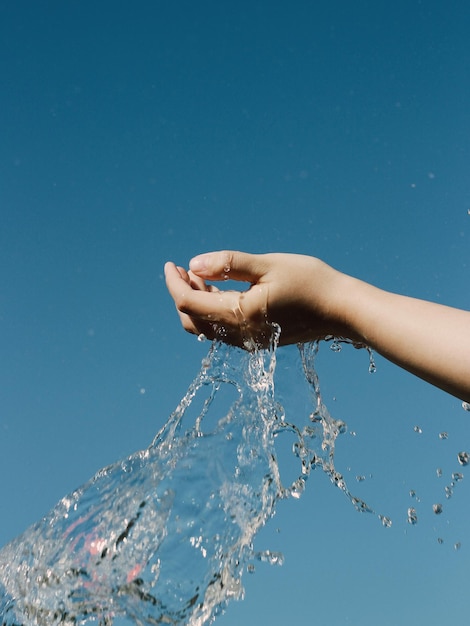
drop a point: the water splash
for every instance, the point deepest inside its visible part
(166, 535)
(330, 428)
(162, 536)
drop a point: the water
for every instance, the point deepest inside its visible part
(463, 458)
(165, 535)
(412, 516)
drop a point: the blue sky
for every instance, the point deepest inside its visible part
(135, 133)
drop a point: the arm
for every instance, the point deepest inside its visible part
(429, 340)
(311, 300)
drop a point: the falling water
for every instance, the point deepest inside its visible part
(165, 535)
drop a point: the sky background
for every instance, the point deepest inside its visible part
(135, 133)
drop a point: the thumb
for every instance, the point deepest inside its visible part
(226, 264)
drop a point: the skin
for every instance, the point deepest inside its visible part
(311, 300)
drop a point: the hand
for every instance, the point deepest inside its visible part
(299, 293)
(310, 300)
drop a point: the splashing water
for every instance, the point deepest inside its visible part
(165, 535)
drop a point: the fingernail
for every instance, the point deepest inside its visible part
(198, 263)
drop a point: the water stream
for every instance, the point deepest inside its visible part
(165, 536)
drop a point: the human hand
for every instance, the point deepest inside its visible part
(310, 300)
(299, 293)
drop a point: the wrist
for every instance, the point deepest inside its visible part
(349, 307)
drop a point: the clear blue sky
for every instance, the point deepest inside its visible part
(134, 133)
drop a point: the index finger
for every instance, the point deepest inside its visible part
(225, 264)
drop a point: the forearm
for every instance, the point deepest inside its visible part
(430, 340)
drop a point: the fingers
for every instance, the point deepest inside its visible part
(218, 314)
(194, 298)
(196, 282)
(226, 264)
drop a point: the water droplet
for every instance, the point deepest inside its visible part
(221, 332)
(250, 568)
(449, 491)
(142, 390)
(352, 433)
(440, 540)
(466, 406)
(360, 478)
(437, 508)
(418, 430)
(457, 476)
(310, 431)
(431, 175)
(443, 435)
(439, 472)
(248, 343)
(372, 365)
(463, 458)
(412, 493)
(335, 346)
(273, 558)
(386, 521)
(297, 488)
(412, 516)
(201, 337)
(457, 545)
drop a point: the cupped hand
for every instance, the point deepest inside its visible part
(299, 293)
